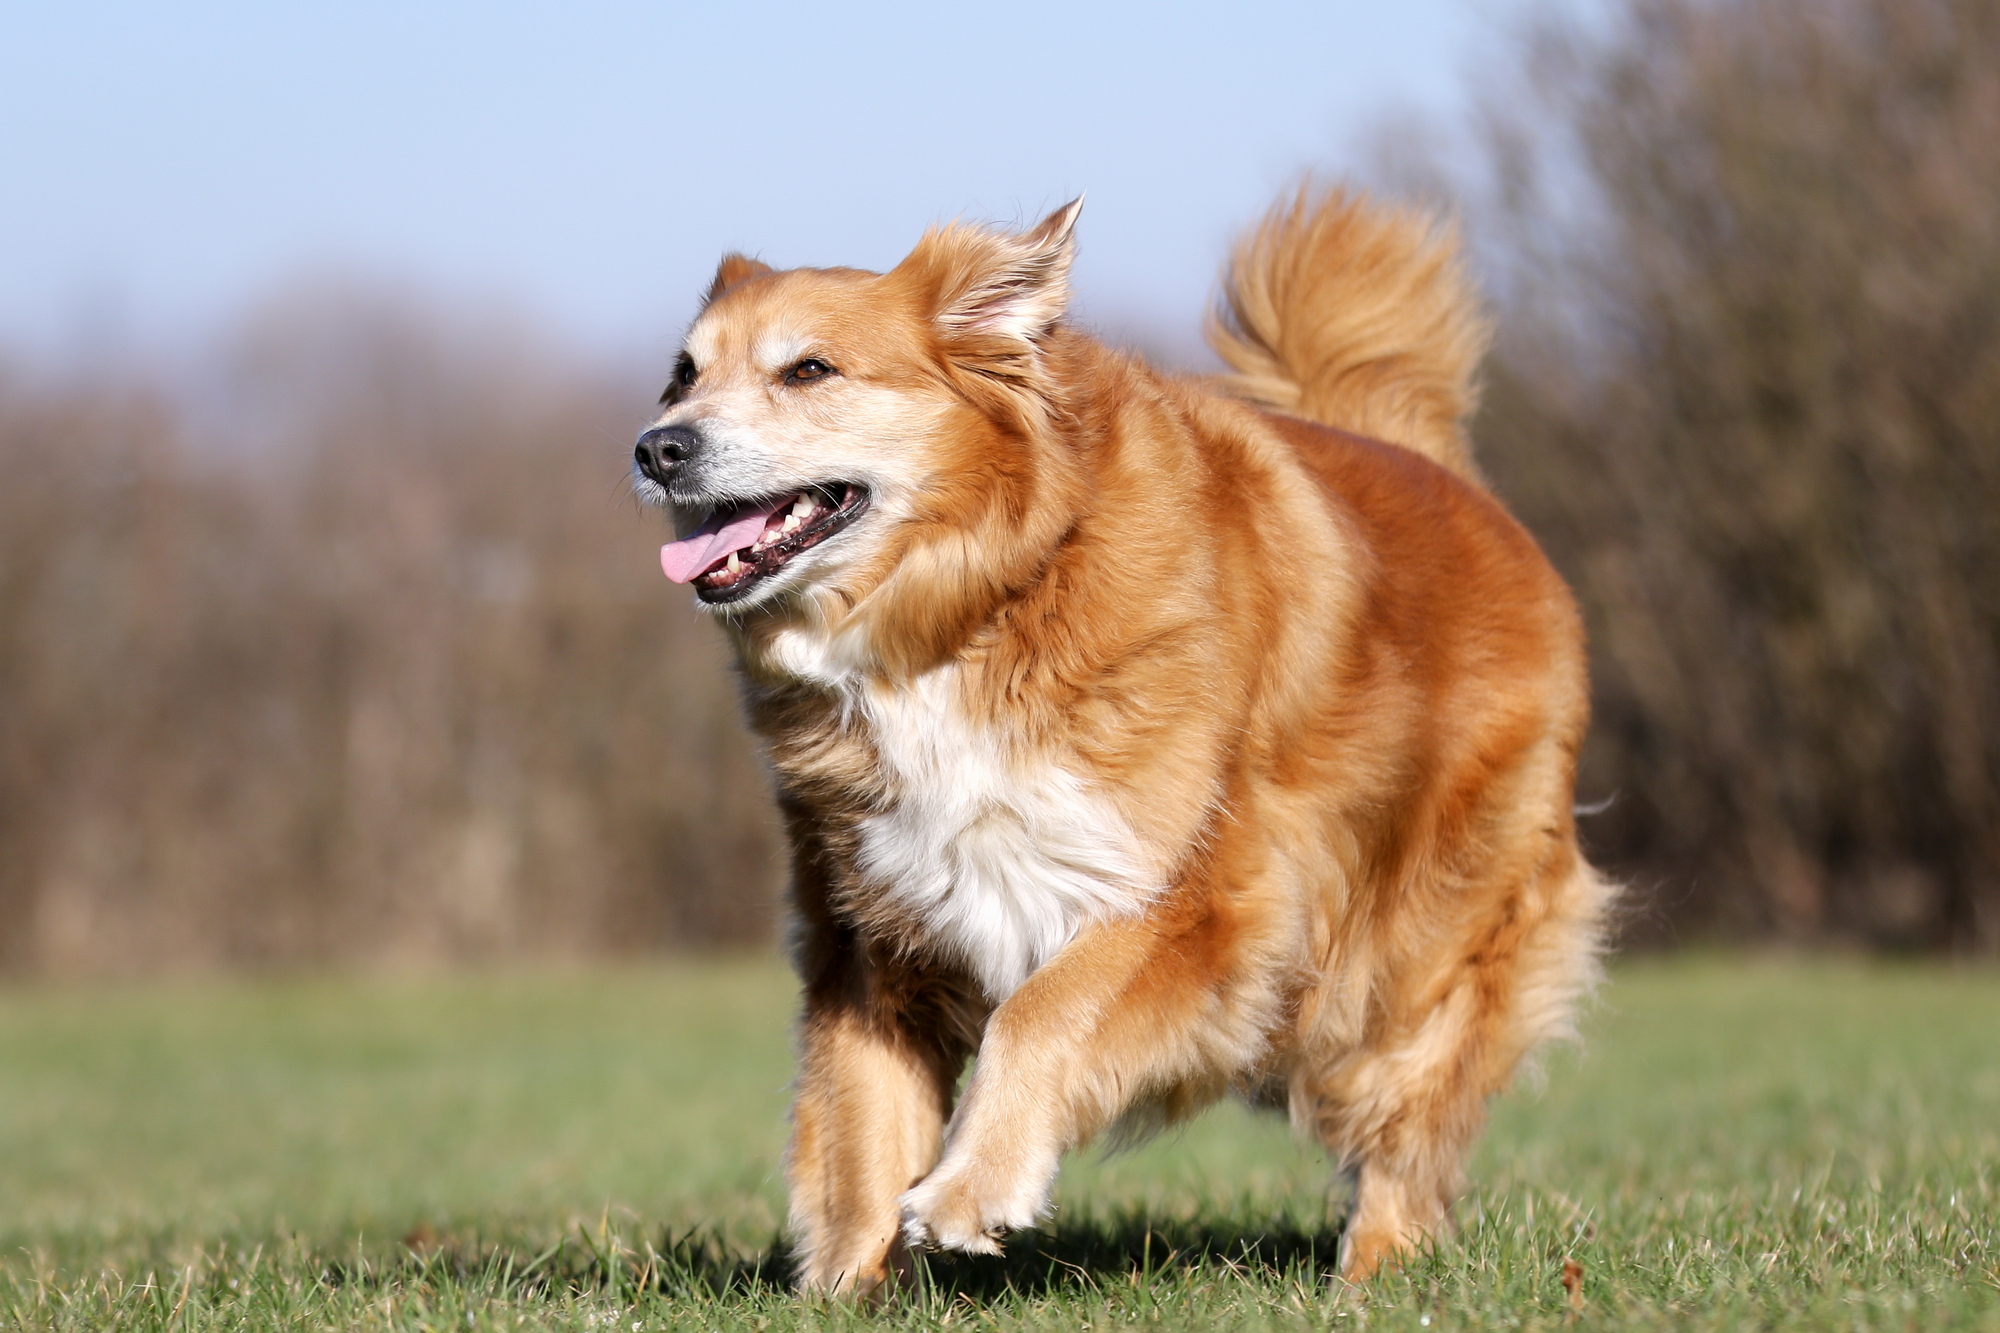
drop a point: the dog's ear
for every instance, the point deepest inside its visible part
(733, 269)
(991, 285)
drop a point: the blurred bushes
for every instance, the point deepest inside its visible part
(1748, 394)
(382, 667)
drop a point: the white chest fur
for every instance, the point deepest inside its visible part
(1002, 856)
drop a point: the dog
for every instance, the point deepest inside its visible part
(1152, 738)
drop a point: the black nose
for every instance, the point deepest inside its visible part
(662, 447)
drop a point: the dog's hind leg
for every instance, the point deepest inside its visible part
(1399, 1113)
(1403, 1111)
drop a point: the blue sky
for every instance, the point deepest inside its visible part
(162, 167)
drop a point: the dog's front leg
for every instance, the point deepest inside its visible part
(873, 1091)
(1114, 1014)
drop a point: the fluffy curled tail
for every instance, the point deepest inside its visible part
(1355, 315)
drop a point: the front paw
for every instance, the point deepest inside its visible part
(948, 1210)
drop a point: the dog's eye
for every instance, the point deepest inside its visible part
(683, 379)
(807, 370)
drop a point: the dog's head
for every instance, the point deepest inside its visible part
(829, 433)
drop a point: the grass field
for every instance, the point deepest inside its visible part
(1740, 1143)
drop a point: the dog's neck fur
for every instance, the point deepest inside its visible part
(993, 844)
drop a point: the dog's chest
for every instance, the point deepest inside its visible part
(999, 856)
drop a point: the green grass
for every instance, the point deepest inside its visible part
(1740, 1143)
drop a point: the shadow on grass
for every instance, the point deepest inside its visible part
(1072, 1259)
(1135, 1249)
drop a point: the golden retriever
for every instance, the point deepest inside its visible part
(1151, 738)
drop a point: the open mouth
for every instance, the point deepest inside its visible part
(741, 545)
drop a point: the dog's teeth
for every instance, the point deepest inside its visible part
(792, 523)
(804, 505)
(735, 565)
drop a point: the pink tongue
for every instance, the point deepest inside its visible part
(725, 531)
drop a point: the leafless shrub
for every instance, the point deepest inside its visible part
(1749, 396)
(395, 676)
